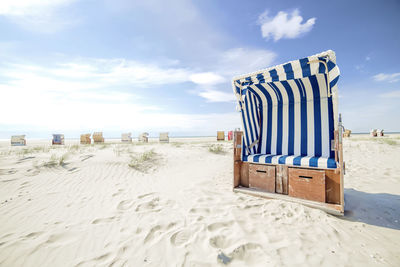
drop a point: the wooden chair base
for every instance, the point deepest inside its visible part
(313, 187)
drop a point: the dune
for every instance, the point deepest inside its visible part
(152, 204)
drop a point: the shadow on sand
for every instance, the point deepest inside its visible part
(378, 209)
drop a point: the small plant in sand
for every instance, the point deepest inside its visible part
(51, 163)
(176, 144)
(143, 161)
(217, 149)
(62, 159)
(73, 148)
(388, 141)
(55, 161)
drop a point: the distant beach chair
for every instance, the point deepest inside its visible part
(373, 132)
(85, 139)
(220, 136)
(230, 135)
(164, 138)
(144, 137)
(379, 132)
(347, 133)
(58, 139)
(98, 137)
(126, 137)
(18, 140)
(291, 144)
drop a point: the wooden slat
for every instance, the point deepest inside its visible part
(307, 184)
(236, 173)
(262, 177)
(282, 180)
(244, 174)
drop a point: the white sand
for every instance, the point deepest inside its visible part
(95, 210)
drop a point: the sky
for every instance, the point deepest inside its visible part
(75, 66)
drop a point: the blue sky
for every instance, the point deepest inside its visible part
(119, 65)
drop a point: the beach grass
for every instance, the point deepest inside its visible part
(143, 161)
(216, 149)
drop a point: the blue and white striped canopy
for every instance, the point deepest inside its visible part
(289, 112)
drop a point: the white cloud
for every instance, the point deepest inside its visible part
(392, 94)
(206, 78)
(217, 96)
(37, 15)
(383, 77)
(284, 25)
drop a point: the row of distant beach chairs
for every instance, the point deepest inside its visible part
(125, 138)
(376, 132)
(58, 139)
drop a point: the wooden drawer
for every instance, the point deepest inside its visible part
(307, 184)
(262, 177)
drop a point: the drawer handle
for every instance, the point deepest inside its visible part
(307, 177)
(261, 171)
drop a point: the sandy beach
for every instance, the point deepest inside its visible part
(172, 204)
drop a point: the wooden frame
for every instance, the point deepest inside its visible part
(333, 190)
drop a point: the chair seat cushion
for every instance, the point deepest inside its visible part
(318, 162)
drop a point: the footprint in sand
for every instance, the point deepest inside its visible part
(215, 226)
(145, 195)
(7, 172)
(219, 241)
(181, 237)
(125, 204)
(152, 233)
(152, 205)
(104, 220)
(200, 210)
(118, 193)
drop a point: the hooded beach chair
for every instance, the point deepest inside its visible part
(164, 138)
(220, 136)
(126, 137)
(98, 137)
(85, 139)
(230, 135)
(291, 144)
(373, 132)
(347, 133)
(58, 139)
(144, 137)
(18, 140)
(379, 132)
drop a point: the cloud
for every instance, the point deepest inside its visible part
(217, 96)
(284, 25)
(206, 78)
(383, 77)
(392, 94)
(44, 16)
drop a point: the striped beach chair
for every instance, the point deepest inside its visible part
(58, 139)
(291, 124)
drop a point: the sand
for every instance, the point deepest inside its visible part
(79, 205)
